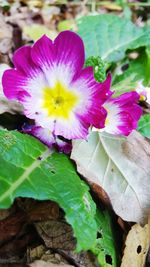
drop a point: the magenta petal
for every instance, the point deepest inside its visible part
(127, 98)
(104, 89)
(23, 61)
(98, 120)
(13, 83)
(69, 51)
(128, 124)
(66, 52)
(135, 111)
(42, 52)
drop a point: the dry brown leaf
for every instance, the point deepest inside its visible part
(42, 253)
(121, 166)
(40, 263)
(56, 234)
(137, 245)
(10, 106)
(5, 36)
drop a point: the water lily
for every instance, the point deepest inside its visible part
(54, 88)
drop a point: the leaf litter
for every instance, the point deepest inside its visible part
(19, 224)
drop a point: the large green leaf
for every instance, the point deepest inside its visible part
(121, 167)
(105, 247)
(28, 169)
(138, 70)
(109, 36)
(144, 125)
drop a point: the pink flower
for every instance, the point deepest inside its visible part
(123, 113)
(55, 90)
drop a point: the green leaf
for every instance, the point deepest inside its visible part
(144, 125)
(98, 67)
(119, 165)
(28, 169)
(105, 247)
(134, 72)
(110, 36)
(138, 70)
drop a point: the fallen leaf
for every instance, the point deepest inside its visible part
(56, 234)
(121, 166)
(42, 253)
(3, 67)
(10, 106)
(137, 245)
(40, 263)
(82, 259)
(5, 36)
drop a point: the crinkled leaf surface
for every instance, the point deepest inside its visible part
(105, 247)
(28, 169)
(98, 68)
(144, 125)
(109, 36)
(121, 167)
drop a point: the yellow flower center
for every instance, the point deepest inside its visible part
(59, 101)
(142, 98)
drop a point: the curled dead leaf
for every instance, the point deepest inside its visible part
(56, 234)
(137, 245)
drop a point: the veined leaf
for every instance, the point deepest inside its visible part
(109, 36)
(28, 169)
(121, 167)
